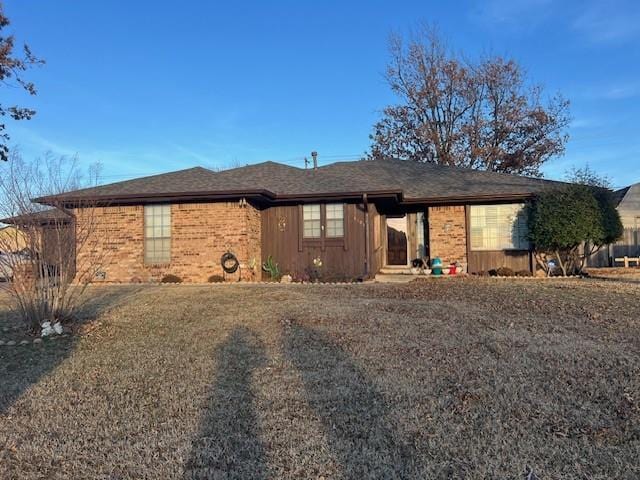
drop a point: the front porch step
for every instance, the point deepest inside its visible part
(396, 271)
(394, 278)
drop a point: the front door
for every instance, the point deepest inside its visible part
(397, 243)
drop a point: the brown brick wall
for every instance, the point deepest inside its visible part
(448, 233)
(200, 234)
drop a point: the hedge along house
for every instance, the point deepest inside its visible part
(359, 218)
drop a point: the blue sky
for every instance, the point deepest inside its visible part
(150, 86)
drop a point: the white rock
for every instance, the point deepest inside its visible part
(24, 342)
(57, 327)
(286, 279)
(11, 342)
(37, 340)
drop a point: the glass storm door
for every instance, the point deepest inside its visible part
(397, 241)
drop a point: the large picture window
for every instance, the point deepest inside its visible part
(327, 218)
(498, 227)
(157, 234)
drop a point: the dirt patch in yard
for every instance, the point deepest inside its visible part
(470, 378)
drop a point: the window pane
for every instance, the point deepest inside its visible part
(335, 211)
(335, 228)
(498, 227)
(312, 229)
(311, 212)
(157, 232)
(311, 221)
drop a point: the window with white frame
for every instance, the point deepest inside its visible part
(335, 220)
(498, 227)
(157, 234)
(312, 226)
(328, 218)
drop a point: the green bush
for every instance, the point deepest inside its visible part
(610, 222)
(564, 219)
(170, 278)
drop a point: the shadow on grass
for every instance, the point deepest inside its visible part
(100, 299)
(621, 279)
(355, 415)
(228, 442)
(22, 366)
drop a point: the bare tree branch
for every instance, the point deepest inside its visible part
(479, 115)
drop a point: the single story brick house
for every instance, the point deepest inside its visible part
(358, 217)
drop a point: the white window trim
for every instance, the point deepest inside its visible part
(314, 221)
(517, 224)
(146, 238)
(323, 222)
(334, 219)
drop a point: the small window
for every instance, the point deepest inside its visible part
(498, 227)
(157, 234)
(311, 220)
(335, 220)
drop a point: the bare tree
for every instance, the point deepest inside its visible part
(453, 111)
(46, 275)
(11, 69)
(587, 176)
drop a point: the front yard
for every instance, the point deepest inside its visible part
(475, 378)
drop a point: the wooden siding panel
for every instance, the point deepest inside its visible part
(342, 258)
(516, 260)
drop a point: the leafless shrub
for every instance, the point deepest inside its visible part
(47, 265)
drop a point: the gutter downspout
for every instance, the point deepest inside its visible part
(367, 251)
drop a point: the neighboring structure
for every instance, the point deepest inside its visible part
(49, 232)
(357, 217)
(628, 204)
(11, 239)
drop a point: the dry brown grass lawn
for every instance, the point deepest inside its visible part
(476, 378)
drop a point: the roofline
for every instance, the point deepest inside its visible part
(103, 200)
(16, 221)
(470, 198)
(66, 200)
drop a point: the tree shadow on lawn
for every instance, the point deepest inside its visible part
(101, 299)
(355, 415)
(22, 366)
(228, 442)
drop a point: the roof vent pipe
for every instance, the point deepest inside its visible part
(314, 155)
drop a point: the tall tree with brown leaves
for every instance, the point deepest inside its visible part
(11, 69)
(452, 111)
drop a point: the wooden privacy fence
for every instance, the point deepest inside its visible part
(627, 246)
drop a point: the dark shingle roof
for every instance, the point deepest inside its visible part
(48, 216)
(619, 195)
(414, 181)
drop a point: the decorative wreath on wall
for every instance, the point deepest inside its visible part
(229, 262)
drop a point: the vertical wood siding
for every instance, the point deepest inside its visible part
(342, 258)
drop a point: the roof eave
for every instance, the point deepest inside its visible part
(99, 200)
(470, 198)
